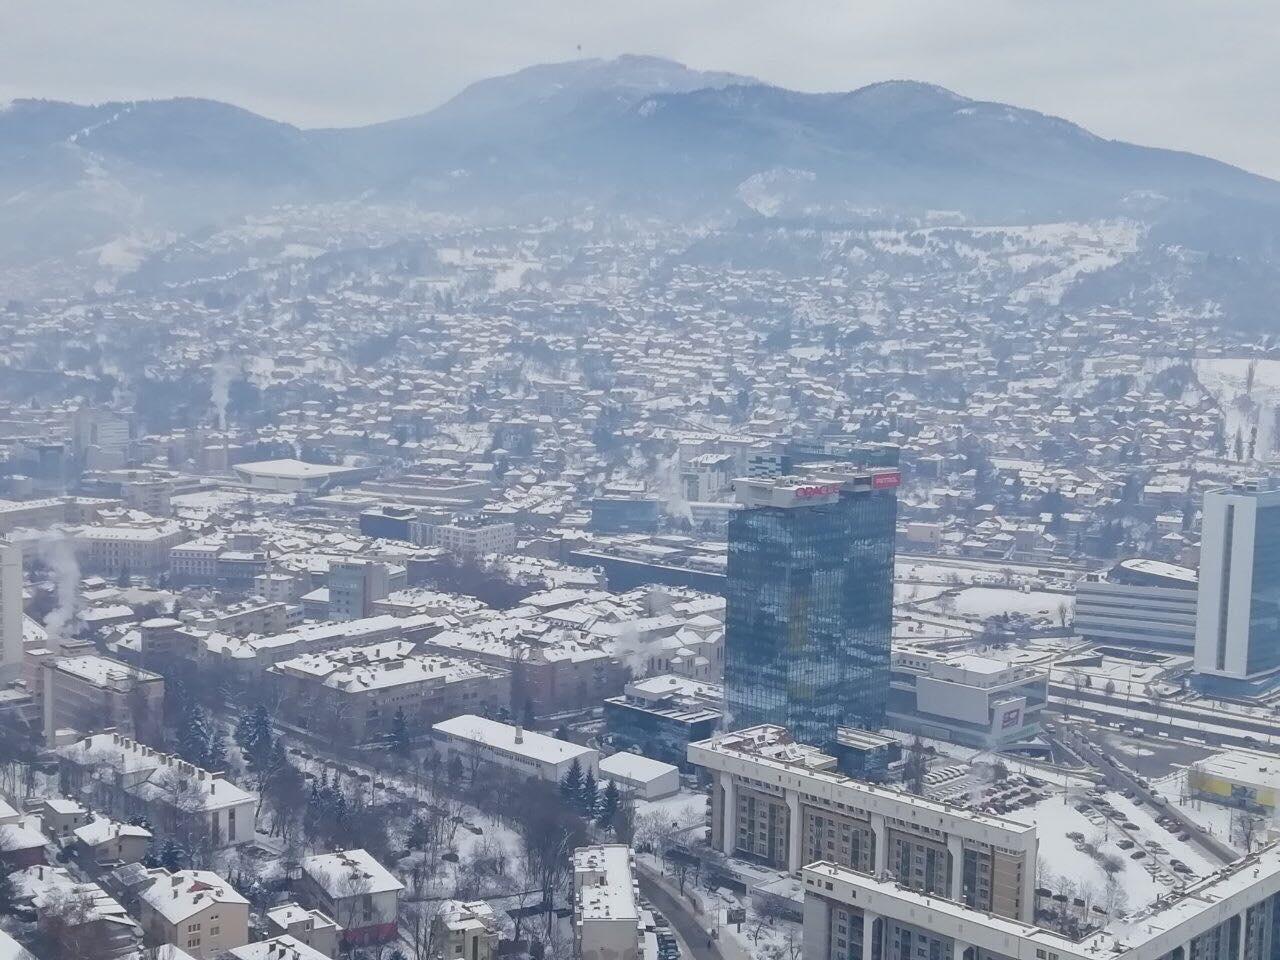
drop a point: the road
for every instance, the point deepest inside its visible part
(691, 928)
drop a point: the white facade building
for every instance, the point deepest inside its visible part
(1238, 609)
(606, 911)
(1139, 602)
(524, 751)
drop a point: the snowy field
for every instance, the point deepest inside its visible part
(982, 602)
(1226, 381)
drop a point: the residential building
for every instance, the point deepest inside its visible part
(1139, 603)
(357, 891)
(853, 914)
(283, 947)
(115, 774)
(783, 803)
(104, 841)
(195, 910)
(466, 930)
(810, 600)
(469, 537)
(966, 698)
(60, 817)
(139, 549)
(90, 693)
(367, 686)
(525, 752)
(314, 928)
(606, 911)
(1238, 608)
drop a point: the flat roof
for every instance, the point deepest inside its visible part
(632, 766)
(291, 469)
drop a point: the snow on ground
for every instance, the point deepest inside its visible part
(983, 602)
(687, 808)
(1213, 817)
(1226, 380)
(1054, 819)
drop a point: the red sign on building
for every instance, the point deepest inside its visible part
(883, 481)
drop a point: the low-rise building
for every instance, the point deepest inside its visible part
(525, 752)
(357, 891)
(312, 927)
(642, 777)
(125, 778)
(466, 930)
(1238, 778)
(195, 910)
(965, 698)
(606, 911)
(283, 947)
(662, 715)
(110, 841)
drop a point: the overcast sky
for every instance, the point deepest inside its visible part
(1199, 76)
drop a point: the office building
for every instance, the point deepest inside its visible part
(624, 515)
(1139, 603)
(354, 586)
(1229, 915)
(1238, 608)
(782, 803)
(606, 909)
(810, 600)
(662, 715)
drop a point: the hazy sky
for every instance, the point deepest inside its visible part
(1200, 76)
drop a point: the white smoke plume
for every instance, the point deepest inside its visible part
(58, 554)
(224, 372)
(668, 487)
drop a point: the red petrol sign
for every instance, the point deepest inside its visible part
(883, 481)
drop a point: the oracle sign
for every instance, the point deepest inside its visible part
(883, 481)
(818, 490)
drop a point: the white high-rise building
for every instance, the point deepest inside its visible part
(10, 610)
(1238, 606)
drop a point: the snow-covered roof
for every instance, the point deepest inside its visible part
(511, 739)
(349, 872)
(186, 893)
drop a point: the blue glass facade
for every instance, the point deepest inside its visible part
(809, 613)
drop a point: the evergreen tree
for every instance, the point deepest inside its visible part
(529, 718)
(453, 770)
(589, 798)
(193, 736)
(608, 806)
(171, 855)
(216, 757)
(398, 739)
(571, 785)
(8, 894)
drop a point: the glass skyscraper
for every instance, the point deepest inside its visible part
(810, 601)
